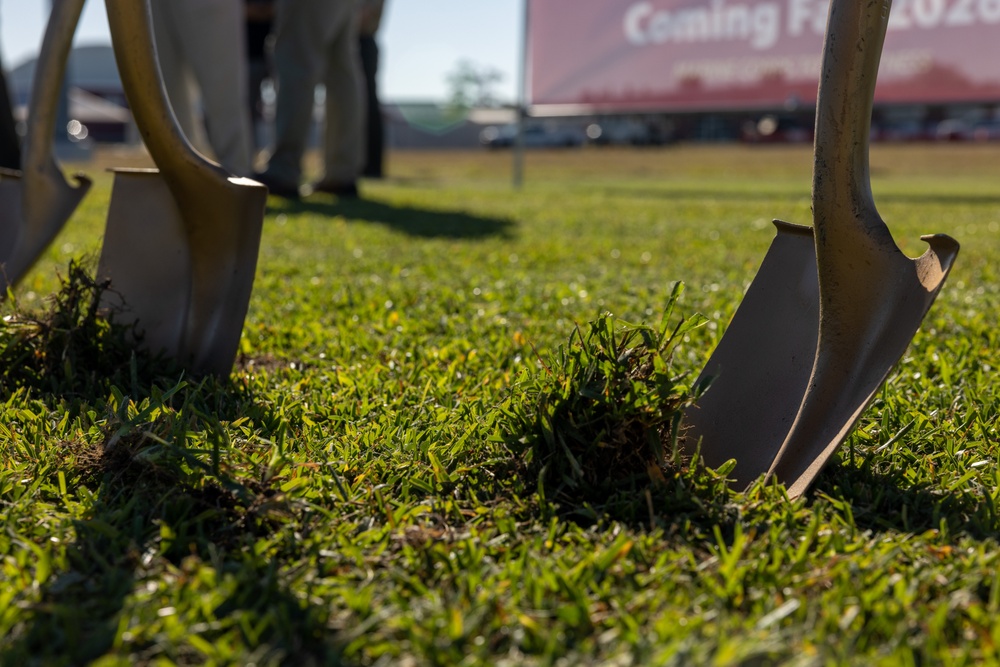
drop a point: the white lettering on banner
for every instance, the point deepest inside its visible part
(747, 71)
(759, 24)
(908, 14)
(804, 14)
(723, 72)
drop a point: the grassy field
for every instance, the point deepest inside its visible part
(382, 480)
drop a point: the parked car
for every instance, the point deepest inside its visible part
(535, 136)
(777, 129)
(621, 132)
(965, 129)
(981, 130)
(988, 130)
(953, 129)
(903, 131)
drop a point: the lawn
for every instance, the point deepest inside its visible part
(383, 479)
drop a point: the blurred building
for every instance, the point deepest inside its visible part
(96, 98)
(430, 125)
(97, 102)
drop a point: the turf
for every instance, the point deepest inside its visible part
(448, 438)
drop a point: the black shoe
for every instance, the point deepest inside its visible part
(276, 187)
(343, 190)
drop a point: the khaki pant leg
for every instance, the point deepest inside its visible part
(302, 30)
(177, 78)
(344, 136)
(213, 39)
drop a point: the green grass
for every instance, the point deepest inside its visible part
(410, 463)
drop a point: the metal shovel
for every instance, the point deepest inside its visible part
(36, 202)
(870, 298)
(182, 240)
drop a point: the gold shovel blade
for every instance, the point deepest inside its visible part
(146, 261)
(759, 370)
(865, 327)
(186, 294)
(33, 210)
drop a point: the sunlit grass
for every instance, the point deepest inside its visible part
(381, 480)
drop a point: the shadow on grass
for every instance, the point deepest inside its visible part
(157, 533)
(887, 502)
(421, 222)
(157, 514)
(770, 195)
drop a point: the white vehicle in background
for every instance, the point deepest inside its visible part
(621, 132)
(535, 136)
(956, 129)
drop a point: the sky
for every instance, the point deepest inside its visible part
(421, 41)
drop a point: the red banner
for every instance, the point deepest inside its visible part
(699, 55)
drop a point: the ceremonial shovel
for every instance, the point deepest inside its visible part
(181, 244)
(36, 202)
(803, 357)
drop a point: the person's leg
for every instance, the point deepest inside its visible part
(302, 28)
(375, 134)
(214, 39)
(344, 137)
(258, 31)
(167, 23)
(10, 144)
(257, 73)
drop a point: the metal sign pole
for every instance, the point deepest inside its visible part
(522, 102)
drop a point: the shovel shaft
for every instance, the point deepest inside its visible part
(50, 70)
(34, 213)
(841, 183)
(135, 53)
(872, 298)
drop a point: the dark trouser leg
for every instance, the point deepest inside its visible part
(376, 133)
(10, 145)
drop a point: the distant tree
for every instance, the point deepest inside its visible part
(473, 85)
